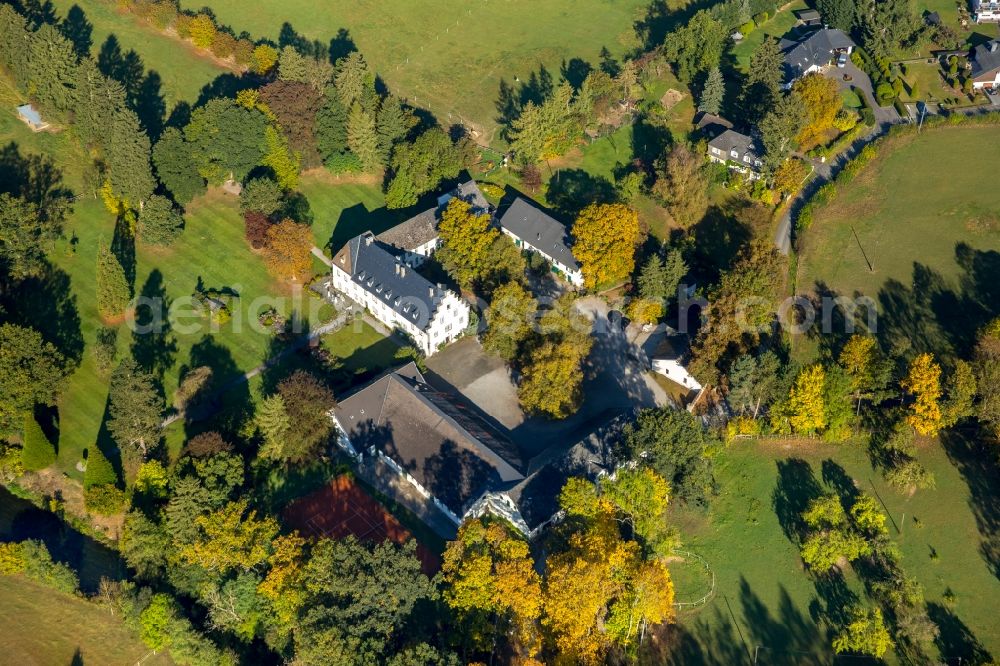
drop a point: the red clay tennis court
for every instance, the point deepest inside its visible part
(341, 508)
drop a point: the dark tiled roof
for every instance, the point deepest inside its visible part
(986, 58)
(711, 124)
(671, 347)
(413, 233)
(537, 497)
(447, 449)
(807, 15)
(469, 193)
(534, 226)
(373, 265)
(816, 48)
(732, 140)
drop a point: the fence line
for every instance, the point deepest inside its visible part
(708, 595)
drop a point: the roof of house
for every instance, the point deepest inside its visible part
(444, 446)
(29, 113)
(932, 18)
(540, 230)
(469, 193)
(414, 232)
(537, 496)
(732, 140)
(816, 48)
(711, 124)
(808, 15)
(986, 58)
(422, 227)
(372, 264)
(671, 347)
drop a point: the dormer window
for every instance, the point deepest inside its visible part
(733, 153)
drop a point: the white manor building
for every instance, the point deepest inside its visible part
(986, 11)
(367, 271)
(534, 230)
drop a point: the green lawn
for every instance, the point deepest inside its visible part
(42, 626)
(928, 220)
(450, 58)
(362, 348)
(776, 26)
(760, 577)
(182, 70)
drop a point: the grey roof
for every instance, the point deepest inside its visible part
(469, 193)
(372, 264)
(671, 347)
(444, 446)
(743, 145)
(412, 233)
(807, 15)
(539, 229)
(422, 227)
(537, 496)
(986, 58)
(816, 48)
(29, 113)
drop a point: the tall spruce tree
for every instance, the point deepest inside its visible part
(362, 138)
(713, 93)
(135, 409)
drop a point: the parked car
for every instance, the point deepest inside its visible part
(842, 59)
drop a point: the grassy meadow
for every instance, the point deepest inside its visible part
(777, 26)
(760, 579)
(182, 71)
(451, 58)
(42, 626)
(926, 217)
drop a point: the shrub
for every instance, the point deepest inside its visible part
(207, 444)
(155, 621)
(825, 194)
(37, 451)
(11, 559)
(105, 500)
(900, 108)
(106, 348)
(492, 191)
(159, 222)
(223, 45)
(884, 93)
(164, 14)
(264, 58)
(243, 52)
(747, 28)
(761, 18)
(256, 226)
(183, 25)
(152, 479)
(910, 474)
(38, 566)
(261, 195)
(99, 470)
(805, 217)
(202, 30)
(742, 426)
(11, 466)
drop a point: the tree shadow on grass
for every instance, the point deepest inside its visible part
(358, 219)
(153, 344)
(47, 304)
(975, 458)
(78, 30)
(35, 178)
(572, 190)
(719, 237)
(797, 487)
(224, 403)
(955, 640)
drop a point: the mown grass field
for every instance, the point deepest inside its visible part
(182, 70)
(760, 580)
(450, 58)
(42, 626)
(926, 217)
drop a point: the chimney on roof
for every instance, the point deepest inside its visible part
(368, 239)
(397, 269)
(402, 271)
(431, 290)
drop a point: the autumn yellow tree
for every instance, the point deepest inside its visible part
(923, 382)
(466, 241)
(789, 175)
(264, 58)
(821, 97)
(202, 30)
(282, 586)
(288, 250)
(551, 382)
(605, 237)
(805, 408)
(489, 579)
(231, 538)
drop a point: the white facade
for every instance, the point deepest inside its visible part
(746, 165)
(986, 11)
(573, 276)
(449, 315)
(417, 256)
(986, 82)
(675, 372)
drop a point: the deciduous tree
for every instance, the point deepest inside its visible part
(820, 96)
(232, 537)
(159, 222)
(923, 382)
(510, 320)
(696, 46)
(806, 410)
(466, 240)
(605, 238)
(175, 166)
(288, 253)
(865, 633)
(682, 186)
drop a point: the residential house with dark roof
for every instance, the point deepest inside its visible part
(417, 238)
(813, 52)
(447, 452)
(536, 231)
(809, 18)
(453, 458)
(986, 11)
(737, 151)
(372, 274)
(985, 60)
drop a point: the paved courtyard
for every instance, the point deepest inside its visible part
(615, 382)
